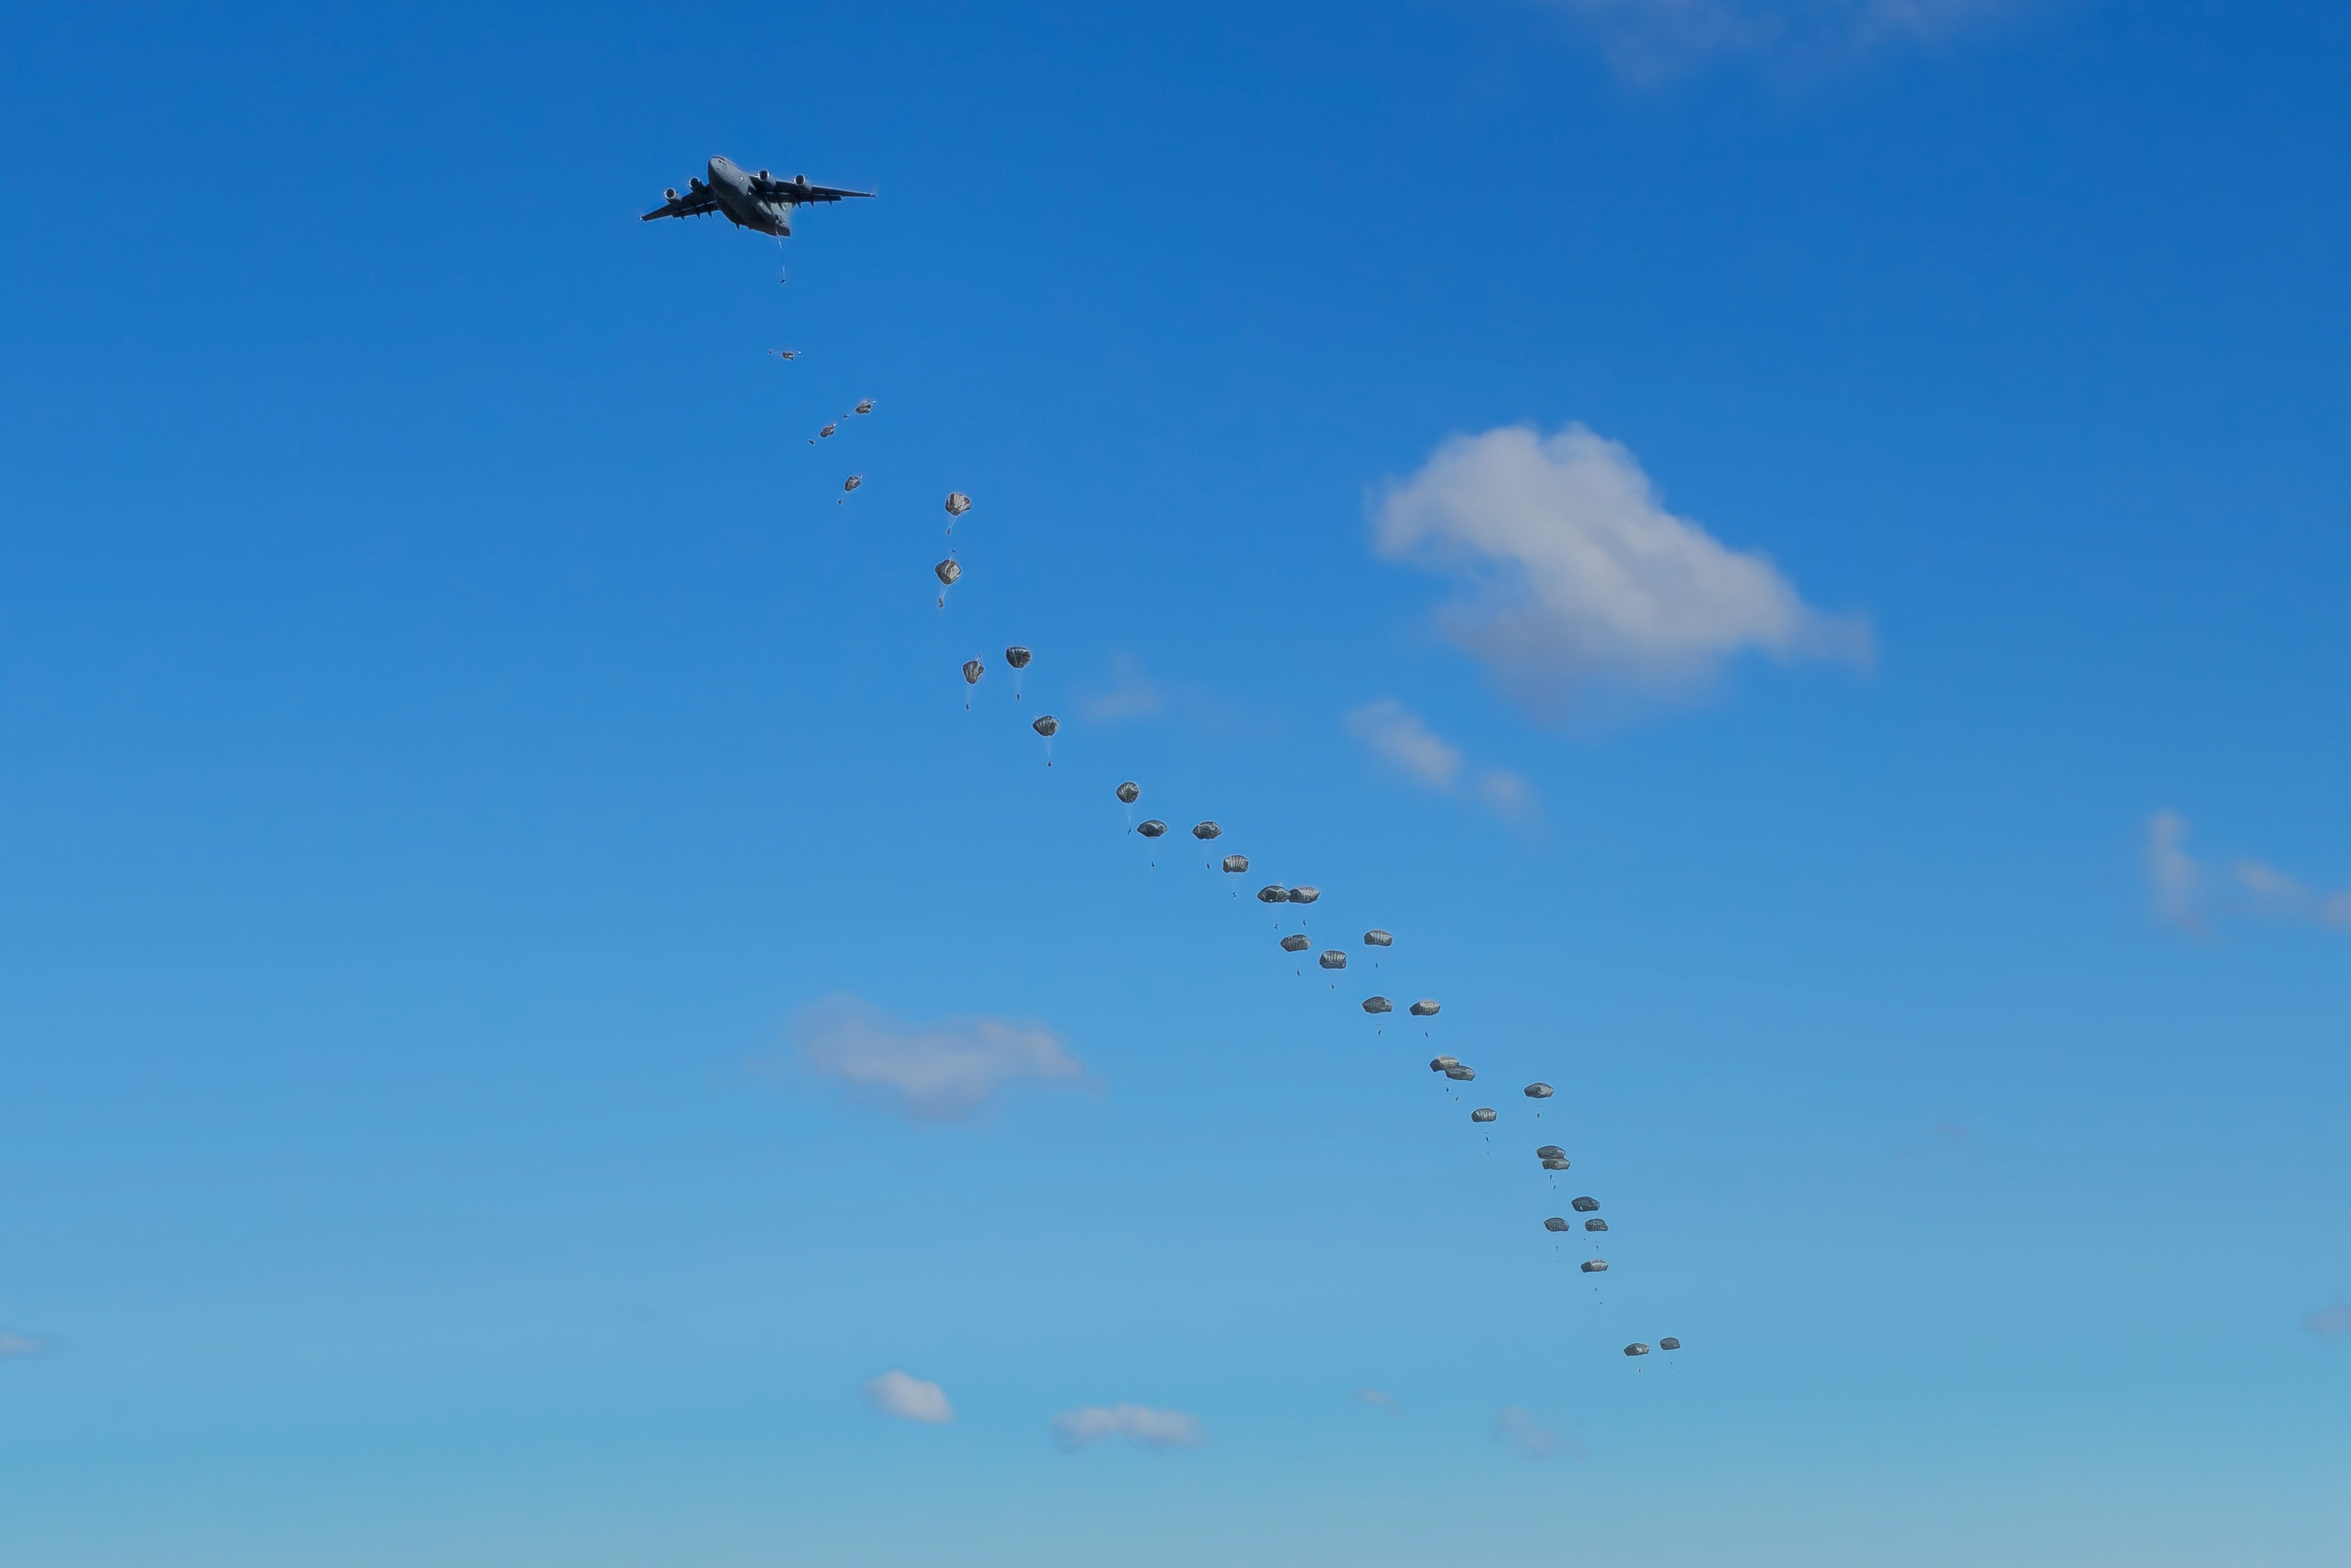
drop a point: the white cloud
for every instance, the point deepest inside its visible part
(942, 1072)
(15, 1345)
(1401, 738)
(908, 1397)
(2187, 893)
(1573, 574)
(1518, 1427)
(1649, 41)
(1398, 736)
(1138, 1424)
(1378, 1399)
(2330, 1322)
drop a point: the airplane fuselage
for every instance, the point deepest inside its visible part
(732, 188)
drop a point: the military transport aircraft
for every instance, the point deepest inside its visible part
(747, 201)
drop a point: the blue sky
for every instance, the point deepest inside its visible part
(1793, 554)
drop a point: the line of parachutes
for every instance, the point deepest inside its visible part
(1552, 1157)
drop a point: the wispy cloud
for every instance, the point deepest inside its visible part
(1517, 1427)
(2190, 893)
(1378, 1398)
(2330, 1322)
(1402, 739)
(1133, 694)
(1571, 573)
(909, 1399)
(12, 1344)
(1138, 1424)
(1653, 41)
(939, 1071)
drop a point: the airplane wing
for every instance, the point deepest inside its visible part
(798, 191)
(692, 204)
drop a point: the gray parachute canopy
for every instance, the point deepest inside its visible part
(1378, 1005)
(948, 570)
(1204, 832)
(1423, 1009)
(1378, 939)
(1439, 1063)
(1636, 1348)
(1304, 894)
(1538, 1091)
(1670, 1343)
(1461, 1074)
(1586, 1205)
(1597, 1266)
(864, 405)
(972, 670)
(1018, 656)
(1555, 1223)
(1595, 1223)
(1556, 1162)
(1333, 958)
(1129, 792)
(1482, 1114)
(957, 502)
(853, 481)
(1294, 942)
(1236, 863)
(1045, 724)
(1272, 893)
(1152, 828)
(1551, 1151)
(828, 429)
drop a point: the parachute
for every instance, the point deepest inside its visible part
(1378, 939)
(1482, 1114)
(1017, 657)
(1378, 1005)
(972, 670)
(1597, 1266)
(1236, 863)
(947, 571)
(1272, 893)
(1551, 1151)
(828, 429)
(1294, 942)
(1636, 1348)
(1556, 1162)
(1555, 1223)
(1595, 1223)
(853, 481)
(1304, 894)
(785, 353)
(1129, 792)
(1046, 725)
(957, 502)
(1152, 828)
(864, 405)
(1670, 1343)
(1538, 1091)
(1423, 1009)
(1333, 959)
(1586, 1205)
(1439, 1063)
(1461, 1074)
(1204, 832)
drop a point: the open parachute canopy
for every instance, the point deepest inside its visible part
(1482, 1114)
(1586, 1205)
(1045, 724)
(972, 670)
(957, 502)
(1272, 893)
(947, 571)
(1378, 939)
(1018, 656)
(1129, 792)
(1423, 1009)
(1152, 828)
(1294, 942)
(1304, 894)
(1555, 1223)
(1538, 1091)
(1378, 1005)
(1236, 863)
(1333, 958)
(1204, 832)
